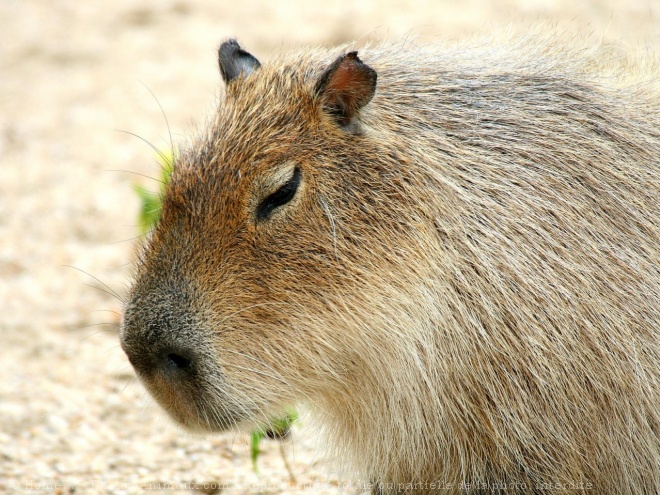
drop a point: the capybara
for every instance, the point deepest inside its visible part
(449, 255)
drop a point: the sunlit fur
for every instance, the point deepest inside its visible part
(469, 290)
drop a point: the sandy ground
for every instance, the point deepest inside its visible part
(75, 81)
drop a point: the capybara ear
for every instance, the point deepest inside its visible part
(234, 61)
(346, 86)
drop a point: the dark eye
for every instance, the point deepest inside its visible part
(280, 197)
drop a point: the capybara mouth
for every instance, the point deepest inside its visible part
(185, 382)
(197, 407)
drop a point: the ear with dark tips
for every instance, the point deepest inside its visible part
(234, 61)
(346, 86)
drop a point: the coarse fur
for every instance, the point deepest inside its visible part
(465, 288)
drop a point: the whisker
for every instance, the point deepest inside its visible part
(255, 410)
(123, 265)
(105, 311)
(129, 382)
(134, 173)
(110, 349)
(76, 328)
(111, 291)
(253, 359)
(95, 333)
(162, 155)
(218, 399)
(112, 294)
(167, 123)
(203, 410)
(145, 235)
(279, 377)
(255, 371)
(124, 365)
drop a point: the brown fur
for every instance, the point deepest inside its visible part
(466, 291)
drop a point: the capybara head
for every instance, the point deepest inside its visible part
(455, 267)
(226, 321)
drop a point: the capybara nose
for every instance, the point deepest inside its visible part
(151, 356)
(172, 362)
(176, 362)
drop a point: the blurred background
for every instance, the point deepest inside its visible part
(76, 81)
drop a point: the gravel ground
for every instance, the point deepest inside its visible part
(75, 80)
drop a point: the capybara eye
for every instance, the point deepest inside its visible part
(280, 197)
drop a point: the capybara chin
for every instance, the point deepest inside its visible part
(450, 255)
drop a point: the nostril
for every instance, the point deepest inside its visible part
(177, 361)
